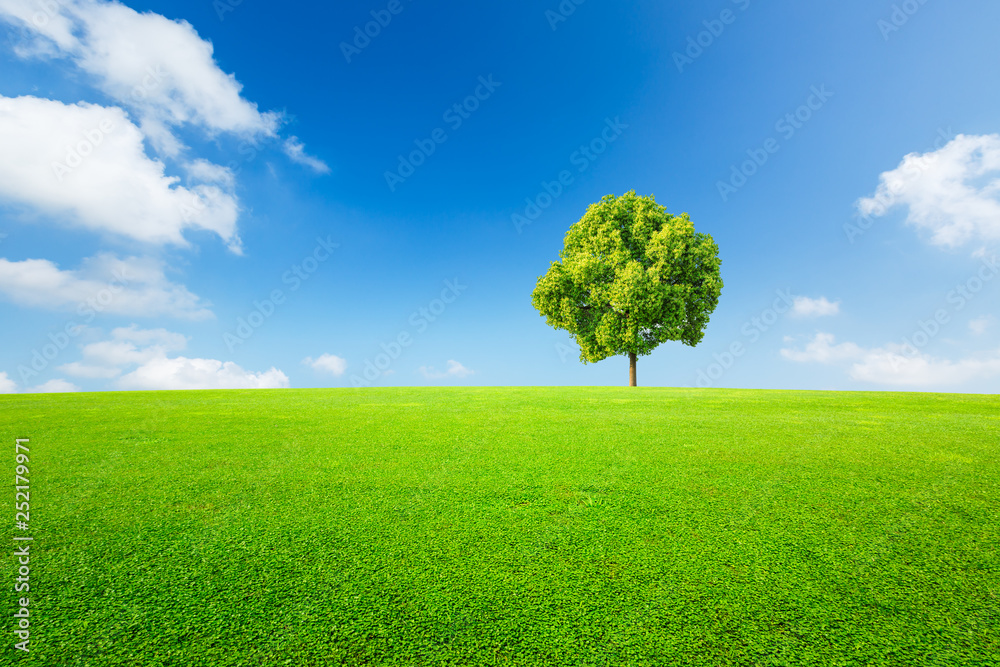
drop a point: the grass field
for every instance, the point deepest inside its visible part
(499, 526)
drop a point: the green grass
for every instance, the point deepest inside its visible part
(498, 526)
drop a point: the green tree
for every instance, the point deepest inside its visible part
(631, 276)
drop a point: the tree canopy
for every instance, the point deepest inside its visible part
(631, 276)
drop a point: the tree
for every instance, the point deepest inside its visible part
(631, 276)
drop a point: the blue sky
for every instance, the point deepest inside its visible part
(178, 165)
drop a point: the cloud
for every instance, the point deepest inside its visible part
(184, 373)
(892, 365)
(128, 346)
(7, 386)
(134, 286)
(979, 325)
(953, 192)
(86, 164)
(821, 349)
(82, 370)
(327, 363)
(147, 351)
(56, 386)
(455, 370)
(160, 338)
(208, 172)
(160, 68)
(40, 18)
(806, 307)
(895, 364)
(296, 151)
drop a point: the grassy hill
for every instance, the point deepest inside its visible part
(510, 526)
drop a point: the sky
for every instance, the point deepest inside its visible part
(229, 194)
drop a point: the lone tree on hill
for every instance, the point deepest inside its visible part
(631, 276)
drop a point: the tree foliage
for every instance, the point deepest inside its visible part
(631, 276)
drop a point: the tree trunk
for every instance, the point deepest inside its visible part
(631, 369)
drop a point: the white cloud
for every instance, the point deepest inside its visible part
(184, 373)
(160, 338)
(56, 386)
(128, 346)
(806, 307)
(103, 284)
(455, 370)
(147, 351)
(821, 349)
(953, 192)
(296, 151)
(7, 386)
(327, 363)
(160, 68)
(896, 364)
(35, 16)
(208, 172)
(86, 164)
(82, 370)
(979, 325)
